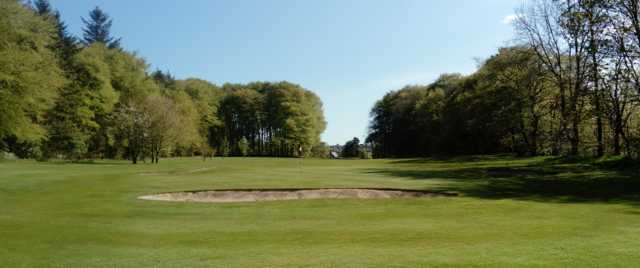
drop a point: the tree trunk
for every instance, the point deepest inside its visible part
(616, 142)
(532, 141)
(599, 134)
(575, 139)
(596, 89)
(618, 128)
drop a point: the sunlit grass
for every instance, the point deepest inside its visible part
(512, 212)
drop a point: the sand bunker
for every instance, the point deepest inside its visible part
(253, 195)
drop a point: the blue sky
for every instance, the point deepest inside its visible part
(350, 53)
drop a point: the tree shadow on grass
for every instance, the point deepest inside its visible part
(89, 162)
(458, 159)
(544, 179)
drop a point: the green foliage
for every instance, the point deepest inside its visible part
(95, 74)
(320, 150)
(131, 126)
(224, 147)
(187, 121)
(503, 107)
(364, 154)
(81, 118)
(65, 45)
(128, 74)
(278, 119)
(42, 7)
(29, 73)
(63, 100)
(164, 80)
(206, 97)
(351, 149)
(165, 124)
(71, 123)
(243, 146)
(98, 29)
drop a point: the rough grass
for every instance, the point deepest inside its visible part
(535, 212)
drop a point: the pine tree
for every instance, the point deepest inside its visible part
(65, 44)
(165, 80)
(42, 7)
(98, 29)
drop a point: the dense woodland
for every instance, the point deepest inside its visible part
(78, 98)
(569, 86)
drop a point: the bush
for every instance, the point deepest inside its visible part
(7, 156)
(224, 149)
(351, 149)
(365, 155)
(243, 146)
(320, 150)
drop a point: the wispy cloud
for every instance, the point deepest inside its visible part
(509, 19)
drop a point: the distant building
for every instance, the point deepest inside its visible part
(334, 155)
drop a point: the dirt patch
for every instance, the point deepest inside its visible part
(254, 195)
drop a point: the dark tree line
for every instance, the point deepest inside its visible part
(61, 97)
(571, 87)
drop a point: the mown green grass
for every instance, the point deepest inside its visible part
(535, 212)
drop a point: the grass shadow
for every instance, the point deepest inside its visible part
(459, 159)
(88, 162)
(541, 179)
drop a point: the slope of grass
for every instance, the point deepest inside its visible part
(535, 212)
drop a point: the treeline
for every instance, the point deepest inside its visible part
(77, 98)
(275, 119)
(571, 87)
(353, 149)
